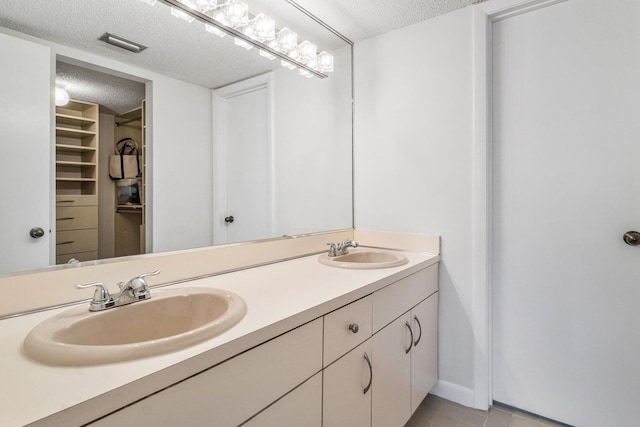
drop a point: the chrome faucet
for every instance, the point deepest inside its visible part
(134, 290)
(341, 248)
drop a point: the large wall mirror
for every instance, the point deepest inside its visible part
(234, 144)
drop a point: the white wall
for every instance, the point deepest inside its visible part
(182, 165)
(413, 163)
(312, 149)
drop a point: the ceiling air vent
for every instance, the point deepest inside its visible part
(122, 43)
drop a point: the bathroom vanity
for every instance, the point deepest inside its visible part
(330, 346)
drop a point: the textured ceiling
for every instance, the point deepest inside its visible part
(363, 19)
(114, 94)
(185, 51)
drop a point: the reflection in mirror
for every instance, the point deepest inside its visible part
(229, 133)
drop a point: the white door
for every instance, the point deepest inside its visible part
(25, 137)
(243, 179)
(566, 321)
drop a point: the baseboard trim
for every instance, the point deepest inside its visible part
(454, 393)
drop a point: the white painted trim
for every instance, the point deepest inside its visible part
(480, 217)
(219, 111)
(454, 393)
(484, 14)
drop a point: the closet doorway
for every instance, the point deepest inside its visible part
(100, 212)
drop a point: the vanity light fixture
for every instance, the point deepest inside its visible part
(232, 17)
(62, 96)
(122, 43)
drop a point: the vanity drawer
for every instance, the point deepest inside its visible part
(68, 242)
(339, 334)
(399, 297)
(77, 200)
(76, 217)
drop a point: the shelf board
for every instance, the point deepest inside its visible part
(76, 164)
(76, 179)
(67, 147)
(73, 133)
(67, 119)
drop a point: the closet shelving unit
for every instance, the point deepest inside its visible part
(77, 181)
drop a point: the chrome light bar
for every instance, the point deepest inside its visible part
(235, 33)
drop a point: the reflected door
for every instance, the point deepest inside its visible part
(25, 137)
(243, 195)
(566, 189)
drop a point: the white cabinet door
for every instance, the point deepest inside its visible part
(345, 402)
(232, 392)
(424, 355)
(391, 397)
(301, 407)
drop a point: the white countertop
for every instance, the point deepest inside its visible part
(279, 297)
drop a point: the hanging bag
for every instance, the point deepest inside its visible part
(126, 163)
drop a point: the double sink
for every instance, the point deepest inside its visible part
(173, 319)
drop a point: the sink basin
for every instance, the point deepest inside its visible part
(171, 320)
(361, 258)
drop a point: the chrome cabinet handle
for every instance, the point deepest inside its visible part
(229, 219)
(366, 358)
(354, 328)
(407, 350)
(631, 238)
(415, 343)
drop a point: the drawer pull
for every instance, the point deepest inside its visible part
(415, 343)
(65, 201)
(407, 350)
(66, 218)
(366, 358)
(68, 242)
(354, 328)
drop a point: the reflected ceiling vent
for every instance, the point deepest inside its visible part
(122, 43)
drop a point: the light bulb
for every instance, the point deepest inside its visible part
(236, 13)
(287, 39)
(307, 51)
(264, 27)
(62, 97)
(325, 62)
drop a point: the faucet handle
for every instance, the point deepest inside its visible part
(139, 287)
(333, 249)
(101, 297)
(153, 273)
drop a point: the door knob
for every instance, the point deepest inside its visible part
(631, 238)
(228, 219)
(36, 232)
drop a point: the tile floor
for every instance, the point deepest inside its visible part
(437, 412)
